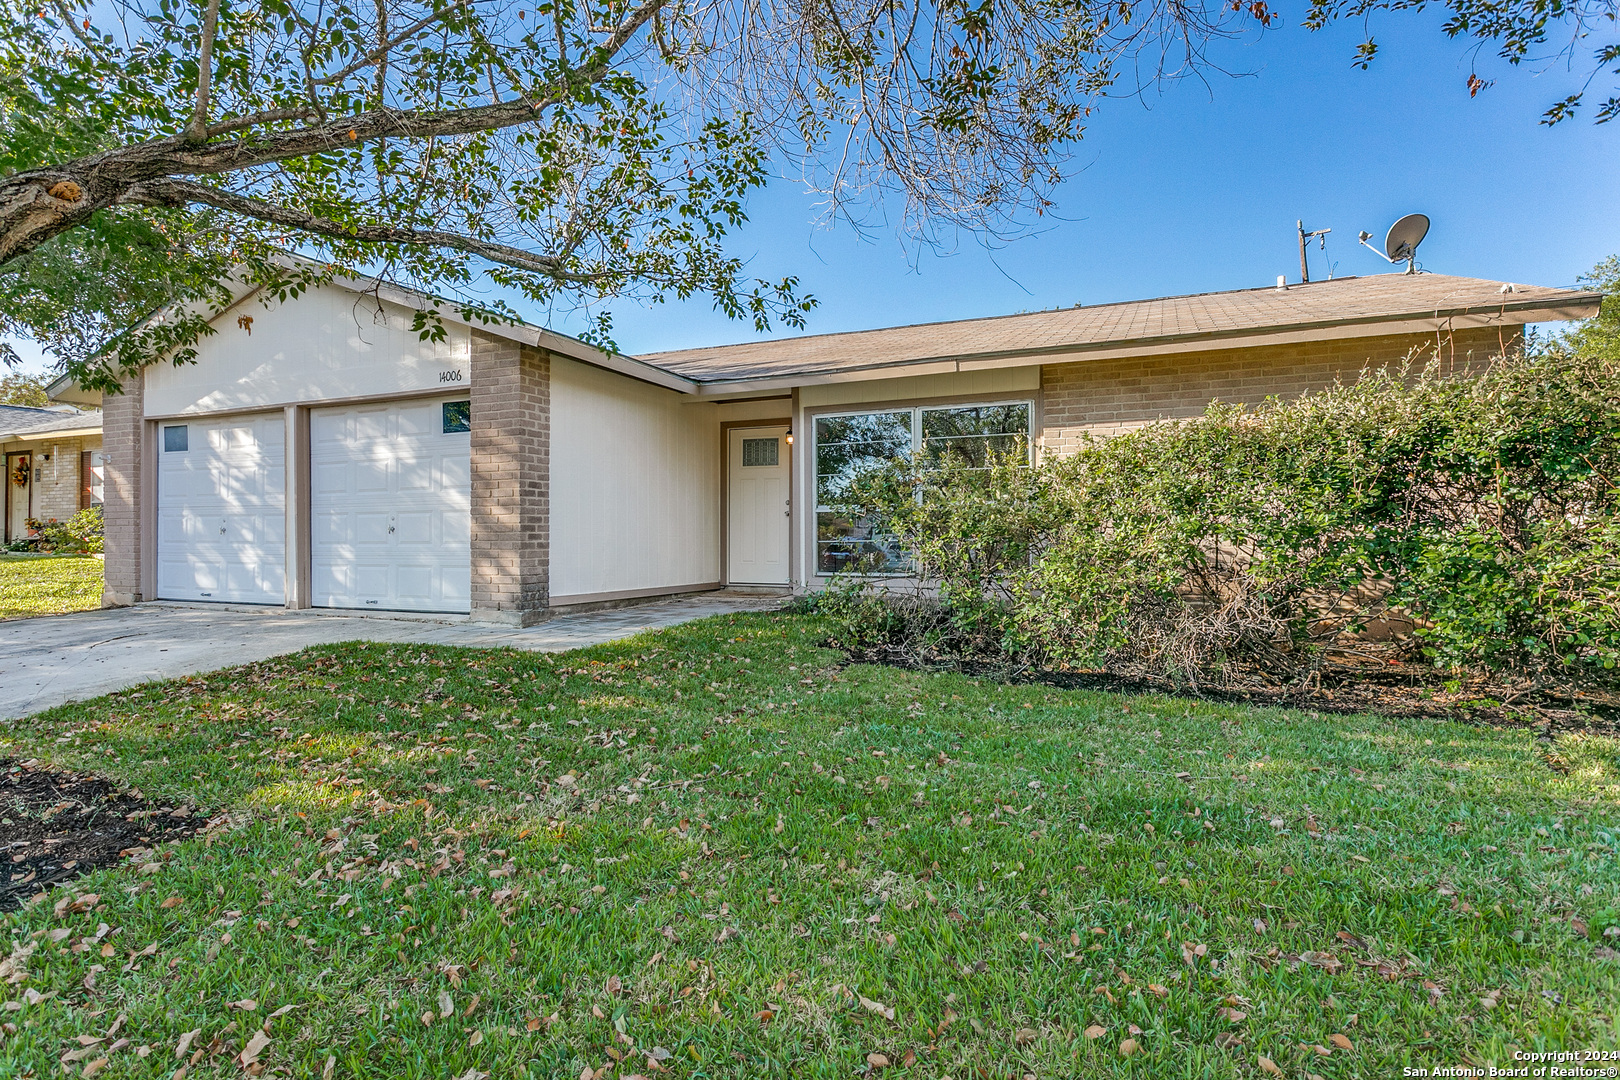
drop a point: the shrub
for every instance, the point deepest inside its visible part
(1472, 524)
(78, 534)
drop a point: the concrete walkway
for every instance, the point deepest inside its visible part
(60, 658)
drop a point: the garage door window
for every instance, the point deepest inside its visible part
(457, 416)
(175, 438)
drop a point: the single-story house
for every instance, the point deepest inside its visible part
(53, 464)
(320, 454)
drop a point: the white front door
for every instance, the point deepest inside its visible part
(222, 510)
(391, 506)
(19, 482)
(757, 506)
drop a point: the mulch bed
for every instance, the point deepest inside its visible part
(1343, 688)
(55, 826)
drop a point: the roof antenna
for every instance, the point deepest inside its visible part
(1305, 238)
(1402, 242)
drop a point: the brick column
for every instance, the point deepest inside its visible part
(123, 457)
(511, 482)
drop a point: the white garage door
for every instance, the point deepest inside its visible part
(390, 502)
(222, 510)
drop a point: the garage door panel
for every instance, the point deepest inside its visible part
(331, 528)
(416, 582)
(455, 474)
(402, 486)
(416, 476)
(222, 511)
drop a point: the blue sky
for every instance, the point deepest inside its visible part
(1197, 188)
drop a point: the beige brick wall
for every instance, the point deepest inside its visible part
(511, 481)
(121, 428)
(1105, 397)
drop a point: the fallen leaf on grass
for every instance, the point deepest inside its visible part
(878, 1061)
(255, 1047)
(1267, 1065)
(1158, 991)
(1341, 1041)
(1025, 1036)
(1095, 1031)
(1128, 1047)
(94, 1067)
(185, 1042)
(447, 1007)
(246, 1005)
(173, 901)
(1234, 1015)
(876, 1006)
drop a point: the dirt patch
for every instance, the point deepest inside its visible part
(55, 826)
(1340, 688)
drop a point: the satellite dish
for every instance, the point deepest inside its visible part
(1404, 237)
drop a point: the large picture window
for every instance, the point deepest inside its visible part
(850, 444)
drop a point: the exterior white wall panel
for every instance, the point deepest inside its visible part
(328, 345)
(922, 387)
(635, 486)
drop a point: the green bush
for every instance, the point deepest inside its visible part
(80, 533)
(1468, 523)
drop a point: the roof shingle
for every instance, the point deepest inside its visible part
(1207, 316)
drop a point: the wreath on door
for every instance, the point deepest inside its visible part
(20, 471)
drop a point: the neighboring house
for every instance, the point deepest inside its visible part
(53, 464)
(319, 453)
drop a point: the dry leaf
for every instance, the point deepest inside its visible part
(255, 1047)
(1128, 1047)
(1095, 1031)
(1234, 1015)
(475, 1038)
(877, 1007)
(447, 1007)
(1341, 1041)
(246, 1005)
(1025, 1036)
(94, 1067)
(173, 901)
(615, 985)
(331, 1064)
(878, 1061)
(1158, 991)
(1267, 1065)
(184, 1044)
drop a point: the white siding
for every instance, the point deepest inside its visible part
(921, 387)
(327, 345)
(635, 485)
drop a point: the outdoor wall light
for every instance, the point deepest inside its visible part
(790, 437)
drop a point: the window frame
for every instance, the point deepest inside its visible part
(813, 419)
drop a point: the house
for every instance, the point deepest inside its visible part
(320, 454)
(53, 464)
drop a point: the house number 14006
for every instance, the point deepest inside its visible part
(450, 376)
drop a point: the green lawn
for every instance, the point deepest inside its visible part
(717, 847)
(48, 585)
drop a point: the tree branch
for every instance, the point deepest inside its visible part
(198, 131)
(178, 193)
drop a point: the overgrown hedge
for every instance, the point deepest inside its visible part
(1471, 524)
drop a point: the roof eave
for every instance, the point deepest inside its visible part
(1552, 309)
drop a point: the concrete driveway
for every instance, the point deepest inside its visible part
(60, 658)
